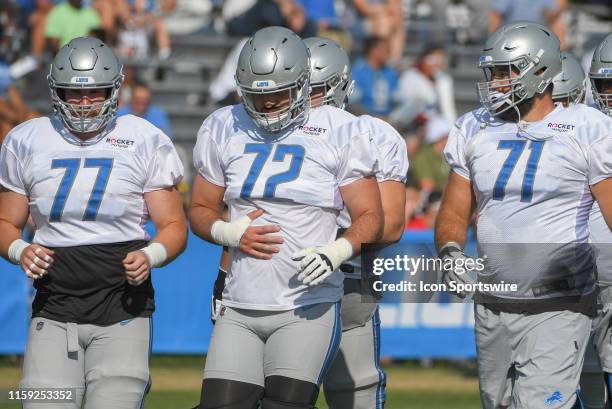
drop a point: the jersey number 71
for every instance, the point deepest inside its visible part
(516, 149)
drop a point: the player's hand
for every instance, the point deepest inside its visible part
(137, 268)
(313, 267)
(315, 264)
(258, 241)
(452, 255)
(36, 260)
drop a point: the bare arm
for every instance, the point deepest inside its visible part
(362, 200)
(166, 210)
(602, 192)
(495, 20)
(206, 207)
(455, 212)
(367, 9)
(14, 211)
(393, 198)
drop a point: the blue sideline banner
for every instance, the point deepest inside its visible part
(182, 320)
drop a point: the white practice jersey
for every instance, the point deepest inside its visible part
(601, 237)
(532, 185)
(88, 193)
(392, 165)
(294, 176)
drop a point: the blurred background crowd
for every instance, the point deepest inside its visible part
(414, 61)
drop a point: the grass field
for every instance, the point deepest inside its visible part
(177, 380)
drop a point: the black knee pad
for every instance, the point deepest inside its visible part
(226, 394)
(288, 393)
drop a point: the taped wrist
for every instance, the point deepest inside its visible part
(156, 254)
(449, 248)
(16, 249)
(337, 252)
(229, 234)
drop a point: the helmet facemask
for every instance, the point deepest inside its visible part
(336, 90)
(602, 94)
(85, 64)
(85, 118)
(297, 94)
(499, 95)
(575, 96)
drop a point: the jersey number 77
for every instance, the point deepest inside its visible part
(72, 167)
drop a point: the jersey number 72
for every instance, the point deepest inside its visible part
(263, 151)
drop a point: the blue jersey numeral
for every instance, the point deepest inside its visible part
(516, 149)
(263, 151)
(95, 199)
(72, 168)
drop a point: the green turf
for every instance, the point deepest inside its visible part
(177, 380)
(395, 400)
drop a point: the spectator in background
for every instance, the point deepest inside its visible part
(140, 105)
(412, 212)
(329, 25)
(546, 12)
(134, 41)
(264, 13)
(111, 13)
(381, 19)
(426, 89)
(375, 81)
(223, 89)
(68, 20)
(13, 109)
(429, 169)
(419, 215)
(37, 21)
(430, 210)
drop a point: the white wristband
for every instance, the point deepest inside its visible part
(229, 234)
(156, 254)
(339, 251)
(15, 249)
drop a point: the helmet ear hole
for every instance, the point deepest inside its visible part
(540, 71)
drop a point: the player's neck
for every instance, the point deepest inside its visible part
(543, 105)
(85, 136)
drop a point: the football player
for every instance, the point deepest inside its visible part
(532, 169)
(284, 173)
(568, 89)
(90, 181)
(569, 85)
(600, 74)
(355, 379)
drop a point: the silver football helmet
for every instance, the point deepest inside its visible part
(600, 74)
(85, 63)
(330, 67)
(531, 51)
(274, 65)
(569, 85)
